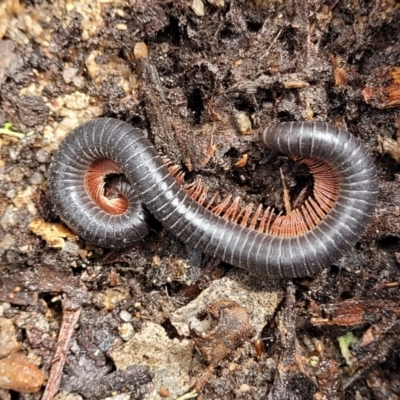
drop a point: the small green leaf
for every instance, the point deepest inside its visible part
(345, 342)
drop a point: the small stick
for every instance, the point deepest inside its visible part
(189, 395)
(286, 197)
(272, 43)
(69, 322)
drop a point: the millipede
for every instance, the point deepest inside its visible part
(301, 243)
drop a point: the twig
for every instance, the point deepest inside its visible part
(69, 321)
(286, 197)
(272, 43)
(186, 396)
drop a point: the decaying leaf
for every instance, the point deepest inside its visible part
(53, 234)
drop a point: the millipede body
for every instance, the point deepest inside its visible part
(298, 244)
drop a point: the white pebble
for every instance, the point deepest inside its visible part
(125, 316)
(69, 73)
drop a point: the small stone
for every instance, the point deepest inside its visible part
(4, 307)
(164, 47)
(69, 73)
(71, 248)
(126, 331)
(43, 156)
(140, 50)
(36, 178)
(9, 218)
(319, 346)
(11, 193)
(8, 338)
(244, 388)
(23, 249)
(198, 8)
(232, 366)
(125, 316)
(78, 81)
(156, 261)
(19, 374)
(17, 174)
(5, 244)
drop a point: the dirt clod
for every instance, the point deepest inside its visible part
(19, 374)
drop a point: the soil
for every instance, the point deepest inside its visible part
(202, 79)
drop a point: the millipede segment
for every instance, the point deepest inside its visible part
(297, 222)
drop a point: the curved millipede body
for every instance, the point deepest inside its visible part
(299, 244)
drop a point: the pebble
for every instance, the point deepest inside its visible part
(9, 218)
(319, 346)
(36, 178)
(11, 193)
(125, 316)
(71, 248)
(244, 388)
(5, 244)
(19, 374)
(8, 338)
(78, 81)
(4, 307)
(69, 73)
(16, 174)
(140, 50)
(126, 331)
(198, 7)
(165, 47)
(43, 156)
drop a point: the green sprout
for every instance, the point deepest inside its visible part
(345, 342)
(6, 130)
